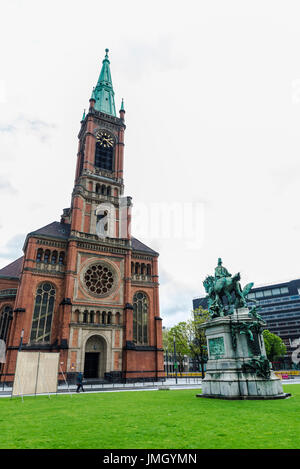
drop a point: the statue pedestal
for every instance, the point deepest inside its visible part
(237, 366)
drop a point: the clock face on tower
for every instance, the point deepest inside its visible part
(105, 139)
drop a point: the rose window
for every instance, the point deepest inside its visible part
(99, 279)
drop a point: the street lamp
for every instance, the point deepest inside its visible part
(167, 361)
(175, 361)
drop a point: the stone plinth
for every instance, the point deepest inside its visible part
(237, 366)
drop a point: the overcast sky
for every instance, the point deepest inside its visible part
(212, 98)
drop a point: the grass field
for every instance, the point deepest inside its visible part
(147, 420)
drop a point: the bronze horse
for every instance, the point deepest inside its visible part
(225, 286)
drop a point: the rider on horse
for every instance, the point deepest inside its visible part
(221, 271)
(223, 284)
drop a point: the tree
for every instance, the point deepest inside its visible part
(190, 340)
(274, 345)
(197, 339)
(179, 334)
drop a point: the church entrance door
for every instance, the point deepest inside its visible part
(91, 365)
(95, 355)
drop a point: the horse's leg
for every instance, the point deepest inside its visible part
(229, 299)
(220, 303)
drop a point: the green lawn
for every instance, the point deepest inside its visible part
(147, 420)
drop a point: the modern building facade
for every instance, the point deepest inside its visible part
(85, 287)
(280, 309)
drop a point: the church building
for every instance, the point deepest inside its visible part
(85, 287)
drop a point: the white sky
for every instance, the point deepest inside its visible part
(212, 99)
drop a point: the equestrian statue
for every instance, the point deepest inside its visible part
(224, 285)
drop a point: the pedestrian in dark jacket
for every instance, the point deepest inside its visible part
(79, 381)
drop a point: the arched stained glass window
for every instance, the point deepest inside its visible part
(140, 318)
(5, 320)
(43, 313)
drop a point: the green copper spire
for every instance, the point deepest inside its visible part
(122, 105)
(103, 93)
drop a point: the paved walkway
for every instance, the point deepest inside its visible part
(182, 383)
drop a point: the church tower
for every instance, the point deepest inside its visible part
(85, 286)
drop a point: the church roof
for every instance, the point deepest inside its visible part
(62, 230)
(54, 229)
(139, 246)
(12, 270)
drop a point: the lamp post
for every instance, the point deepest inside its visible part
(167, 362)
(175, 361)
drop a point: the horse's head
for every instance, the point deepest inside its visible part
(237, 277)
(208, 283)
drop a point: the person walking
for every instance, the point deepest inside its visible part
(79, 382)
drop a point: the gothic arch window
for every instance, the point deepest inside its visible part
(106, 220)
(77, 315)
(140, 317)
(108, 190)
(5, 319)
(109, 316)
(47, 256)
(43, 313)
(98, 188)
(39, 255)
(104, 157)
(148, 269)
(81, 163)
(103, 317)
(61, 259)
(85, 316)
(103, 190)
(54, 257)
(118, 318)
(102, 229)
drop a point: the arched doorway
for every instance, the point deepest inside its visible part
(95, 357)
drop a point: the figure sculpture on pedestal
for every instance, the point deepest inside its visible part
(224, 285)
(237, 365)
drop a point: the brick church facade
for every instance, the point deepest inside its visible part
(85, 287)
